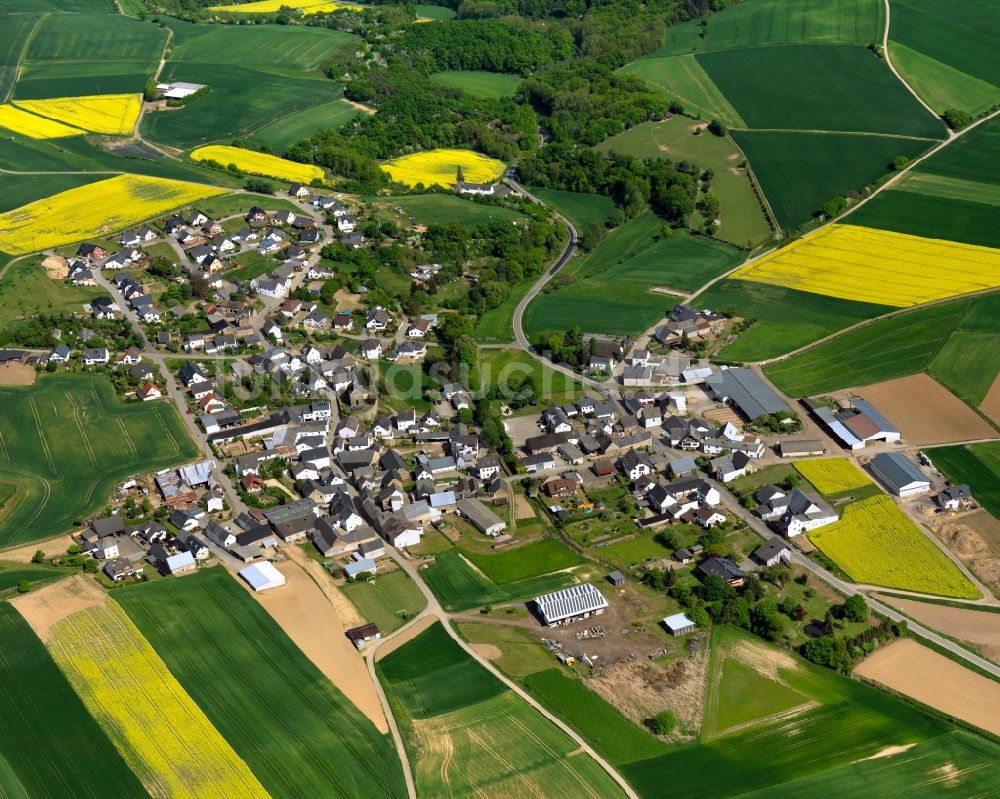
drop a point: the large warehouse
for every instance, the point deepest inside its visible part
(262, 576)
(570, 604)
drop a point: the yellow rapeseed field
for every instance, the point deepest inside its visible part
(35, 127)
(259, 163)
(270, 6)
(878, 266)
(876, 544)
(441, 167)
(833, 475)
(94, 210)
(113, 114)
(162, 734)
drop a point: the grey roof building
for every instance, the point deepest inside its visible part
(577, 602)
(484, 520)
(746, 391)
(899, 474)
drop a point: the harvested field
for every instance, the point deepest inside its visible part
(308, 617)
(925, 411)
(933, 679)
(53, 547)
(43, 608)
(975, 540)
(972, 626)
(991, 403)
(17, 374)
(55, 267)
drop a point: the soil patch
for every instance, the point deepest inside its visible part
(55, 267)
(343, 300)
(522, 507)
(363, 108)
(762, 659)
(970, 539)
(487, 651)
(991, 402)
(44, 607)
(344, 607)
(925, 411)
(933, 679)
(317, 627)
(17, 374)
(53, 548)
(405, 636)
(973, 626)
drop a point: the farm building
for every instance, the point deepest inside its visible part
(954, 497)
(746, 392)
(570, 604)
(899, 474)
(616, 578)
(262, 576)
(484, 520)
(678, 624)
(360, 567)
(360, 635)
(800, 448)
(857, 425)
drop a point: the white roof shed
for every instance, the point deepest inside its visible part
(262, 576)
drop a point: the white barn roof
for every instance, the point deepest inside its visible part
(678, 621)
(570, 602)
(262, 576)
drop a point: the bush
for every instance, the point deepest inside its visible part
(663, 723)
(716, 128)
(23, 587)
(855, 608)
(956, 118)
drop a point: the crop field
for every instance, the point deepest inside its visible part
(296, 731)
(469, 735)
(32, 126)
(608, 291)
(66, 442)
(525, 562)
(800, 170)
(977, 465)
(113, 114)
(283, 133)
(285, 48)
(13, 32)
(478, 83)
(459, 587)
(259, 163)
(49, 744)
(389, 601)
(774, 87)
(96, 209)
(577, 207)
(272, 6)
(430, 13)
(162, 734)
(876, 544)
(760, 22)
(953, 341)
(682, 78)
(946, 54)
(840, 260)
(12, 573)
(743, 220)
(833, 475)
(440, 167)
(969, 158)
(784, 319)
(499, 367)
(20, 190)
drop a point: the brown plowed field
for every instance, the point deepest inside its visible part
(933, 679)
(925, 411)
(973, 626)
(991, 402)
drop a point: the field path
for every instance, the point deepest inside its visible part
(892, 67)
(20, 59)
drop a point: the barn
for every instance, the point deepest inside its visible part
(570, 604)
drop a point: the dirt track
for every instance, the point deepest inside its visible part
(53, 548)
(919, 672)
(44, 607)
(409, 634)
(925, 411)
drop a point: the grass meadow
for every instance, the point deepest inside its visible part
(66, 442)
(524, 562)
(49, 744)
(550, 385)
(579, 208)
(296, 731)
(478, 83)
(283, 133)
(435, 13)
(12, 573)
(26, 290)
(13, 33)
(978, 465)
(388, 601)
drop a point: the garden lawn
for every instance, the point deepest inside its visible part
(68, 440)
(26, 291)
(525, 562)
(295, 730)
(49, 744)
(877, 544)
(430, 209)
(578, 207)
(977, 465)
(480, 84)
(388, 601)
(499, 366)
(642, 547)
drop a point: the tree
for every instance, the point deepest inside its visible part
(259, 186)
(23, 586)
(855, 608)
(900, 162)
(151, 94)
(699, 616)
(38, 557)
(459, 176)
(716, 128)
(956, 118)
(663, 723)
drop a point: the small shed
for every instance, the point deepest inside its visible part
(359, 635)
(360, 567)
(678, 624)
(262, 576)
(617, 579)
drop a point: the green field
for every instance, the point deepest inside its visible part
(799, 171)
(436, 13)
(388, 601)
(296, 731)
(496, 326)
(744, 696)
(66, 442)
(978, 465)
(946, 53)
(757, 22)
(635, 550)
(283, 133)
(608, 291)
(49, 744)
(12, 573)
(497, 366)
(966, 221)
(743, 220)
(970, 158)
(785, 319)
(525, 562)
(14, 30)
(955, 342)
(480, 84)
(23, 189)
(431, 209)
(577, 207)
(682, 78)
(465, 730)
(459, 587)
(26, 291)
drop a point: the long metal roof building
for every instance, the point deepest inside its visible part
(570, 603)
(744, 389)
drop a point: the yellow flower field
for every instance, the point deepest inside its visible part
(259, 163)
(833, 475)
(876, 544)
(162, 734)
(113, 114)
(35, 127)
(878, 266)
(270, 6)
(96, 209)
(441, 167)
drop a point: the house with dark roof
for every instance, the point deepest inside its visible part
(724, 568)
